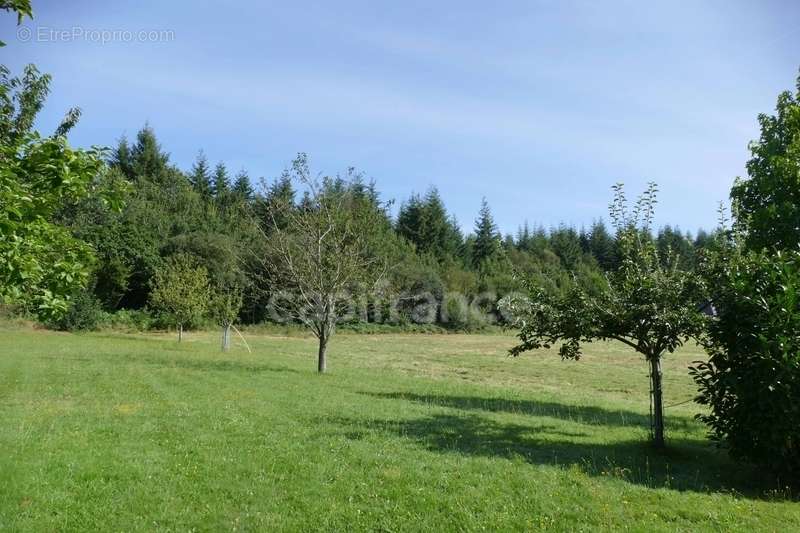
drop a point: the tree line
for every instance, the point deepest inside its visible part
(219, 219)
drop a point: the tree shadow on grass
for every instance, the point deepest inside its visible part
(212, 365)
(582, 414)
(685, 465)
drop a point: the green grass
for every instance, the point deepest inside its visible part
(407, 432)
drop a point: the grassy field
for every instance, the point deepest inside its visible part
(123, 432)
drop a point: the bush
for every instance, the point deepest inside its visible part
(751, 381)
(84, 314)
(131, 320)
(461, 315)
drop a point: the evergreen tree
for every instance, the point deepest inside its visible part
(487, 239)
(221, 183)
(147, 158)
(439, 233)
(602, 246)
(242, 189)
(121, 158)
(409, 220)
(200, 177)
(566, 243)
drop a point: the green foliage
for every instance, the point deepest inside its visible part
(227, 227)
(486, 246)
(84, 314)
(648, 306)
(225, 305)
(132, 320)
(41, 263)
(426, 224)
(221, 184)
(22, 8)
(181, 290)
(329, 253)
(751, 381)
(242, 190)
(200, 177)
(767, 203)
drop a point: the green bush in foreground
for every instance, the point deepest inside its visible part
(751, 381)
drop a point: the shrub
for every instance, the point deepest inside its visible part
(136, 320)
(461, 315)
(751, 381)
(83, 314)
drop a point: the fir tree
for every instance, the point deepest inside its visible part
(121, 158)
(242, 189)
(147, 159)
(200, 177)
(487, 238)
(221, 183)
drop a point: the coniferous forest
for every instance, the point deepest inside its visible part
(440, 275)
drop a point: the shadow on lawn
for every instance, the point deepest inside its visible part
(582, 414)
(212, 365)
(685, 465)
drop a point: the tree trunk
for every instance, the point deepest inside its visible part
(226, 337)
(656, 399)
(180, 332)
(322, 362)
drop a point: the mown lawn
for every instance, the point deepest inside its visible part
(407, 432)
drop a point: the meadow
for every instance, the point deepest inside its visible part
(113, 431)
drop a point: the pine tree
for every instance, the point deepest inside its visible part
(147, 159)
(121, 158)
(242, 189)
(602, 246)
(441, 237)
(221, 183)
(425, 223)
(200, 177)
(566, 243)
(409, 220)
(487, 238)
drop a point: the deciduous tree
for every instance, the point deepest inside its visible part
(651, 307)
(41, 263)
(323, 258)
(181, 291)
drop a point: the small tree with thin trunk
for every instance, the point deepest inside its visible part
(225, 306)
(322, 257)
(646, 304)
(181, 291)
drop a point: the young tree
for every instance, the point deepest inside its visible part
(645, 305)
(181, 290)
(224, 307)
(324, 256)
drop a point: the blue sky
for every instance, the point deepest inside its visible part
(538, 106)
